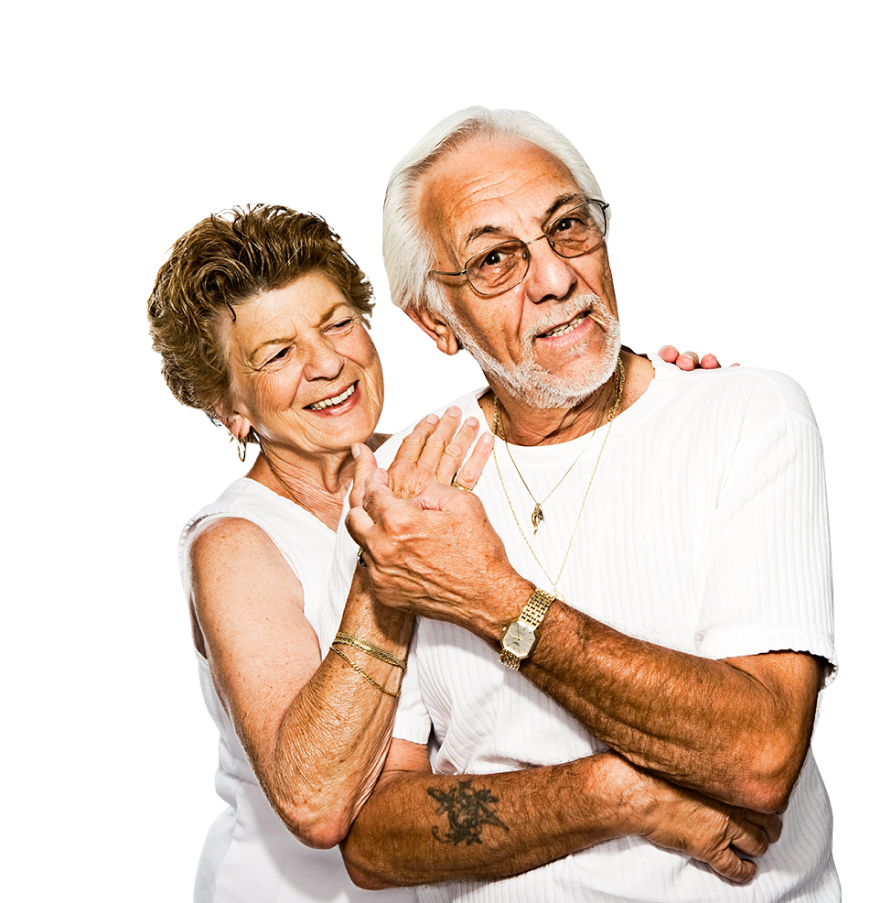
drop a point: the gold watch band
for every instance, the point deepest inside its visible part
(536, 608)
(532, 615)
(509, 659)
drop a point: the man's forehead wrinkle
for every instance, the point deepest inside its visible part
(557, 204)
(485, 185)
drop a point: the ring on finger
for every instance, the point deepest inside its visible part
(457, 485)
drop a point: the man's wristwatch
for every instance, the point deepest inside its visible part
(520, 636)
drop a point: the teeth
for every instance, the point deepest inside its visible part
(330, 402)
(562, 330)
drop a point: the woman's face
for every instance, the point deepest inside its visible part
(303, 370)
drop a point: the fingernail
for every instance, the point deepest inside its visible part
(431, 418)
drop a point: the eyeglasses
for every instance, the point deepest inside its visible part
(498, 269)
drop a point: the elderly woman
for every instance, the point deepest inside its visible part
(261, 319)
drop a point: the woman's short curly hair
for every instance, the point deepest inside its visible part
(227, 259)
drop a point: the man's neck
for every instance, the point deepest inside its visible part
(523, 424)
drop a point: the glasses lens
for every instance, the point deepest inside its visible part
(498, 268)
(579, 230)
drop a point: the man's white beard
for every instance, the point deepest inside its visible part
(528, 381)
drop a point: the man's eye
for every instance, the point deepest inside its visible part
(567, 224)
(500, 257)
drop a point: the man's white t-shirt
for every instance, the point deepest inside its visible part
(705, 531)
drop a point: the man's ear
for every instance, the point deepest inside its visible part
(437, 329)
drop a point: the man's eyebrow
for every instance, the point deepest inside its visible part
(574, 198)
(480, 231)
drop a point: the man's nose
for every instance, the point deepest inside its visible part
(550, 276)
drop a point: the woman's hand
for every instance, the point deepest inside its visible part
(434, 452)
(689, 360)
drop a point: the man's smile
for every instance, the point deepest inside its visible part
(565, 328)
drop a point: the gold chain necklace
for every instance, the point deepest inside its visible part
(537, 512)
(619, 378)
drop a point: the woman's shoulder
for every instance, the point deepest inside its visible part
(231, 540)
(233, 521)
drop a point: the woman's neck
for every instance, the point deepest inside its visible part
(319, 485)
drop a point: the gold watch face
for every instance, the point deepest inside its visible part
(519, 638)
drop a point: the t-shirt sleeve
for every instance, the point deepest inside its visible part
(765, 583)
(412, 719)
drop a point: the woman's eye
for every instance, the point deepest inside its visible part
(341, 325)
(278, 356)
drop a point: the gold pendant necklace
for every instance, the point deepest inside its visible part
(537, 512)
(619, 379)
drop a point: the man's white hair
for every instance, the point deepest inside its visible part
(408, 251)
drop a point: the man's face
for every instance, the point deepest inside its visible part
(553, 339)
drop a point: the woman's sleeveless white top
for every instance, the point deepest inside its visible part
(249, 855)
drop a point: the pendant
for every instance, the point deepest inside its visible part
(537, 517)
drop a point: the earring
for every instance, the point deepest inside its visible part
(239, 448)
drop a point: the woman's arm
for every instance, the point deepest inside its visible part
(314, 723)
(316, 730)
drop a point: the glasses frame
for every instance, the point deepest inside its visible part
(527, 256)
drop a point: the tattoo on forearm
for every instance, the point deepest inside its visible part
(467, 811)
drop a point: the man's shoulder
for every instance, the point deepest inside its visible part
(750, 391)
(468, 403)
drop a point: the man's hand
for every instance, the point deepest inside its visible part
(705, 829)
(689, 360)
(418, 552)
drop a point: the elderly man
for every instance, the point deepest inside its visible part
(626, 627)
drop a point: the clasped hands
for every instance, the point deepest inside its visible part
(426, 544)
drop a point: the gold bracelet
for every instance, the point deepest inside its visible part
(367, 677)
(347, 639)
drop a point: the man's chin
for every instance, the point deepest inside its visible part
(534, 385)
(559, 393)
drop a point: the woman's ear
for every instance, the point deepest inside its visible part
(236, 423)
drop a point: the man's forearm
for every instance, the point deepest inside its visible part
(422, 828)
(736, 730)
